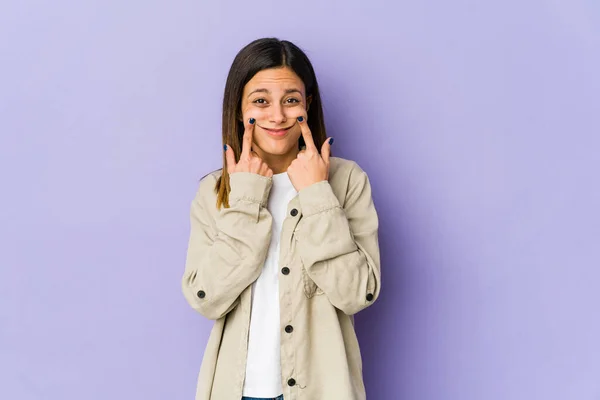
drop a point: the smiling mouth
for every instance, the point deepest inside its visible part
(278, 131)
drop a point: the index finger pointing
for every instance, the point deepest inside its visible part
(247, 140)
(306, 133)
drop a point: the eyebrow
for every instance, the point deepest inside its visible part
(262, 90)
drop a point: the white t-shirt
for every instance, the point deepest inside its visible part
(263, 365)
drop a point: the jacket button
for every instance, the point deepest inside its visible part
(285, 270)
(291, 382)
(201, 294)
(289, 329)
(369, 297)
(294, 212)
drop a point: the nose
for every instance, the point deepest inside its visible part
(278, 114)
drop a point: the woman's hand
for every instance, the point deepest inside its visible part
(249, 160)
(309, 167)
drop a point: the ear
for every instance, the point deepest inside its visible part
(308, 101)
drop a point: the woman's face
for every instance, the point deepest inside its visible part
(275, 98)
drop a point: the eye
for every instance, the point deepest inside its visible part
(292, 100)
(260, 101)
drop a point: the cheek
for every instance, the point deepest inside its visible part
(296, 132)
(255, 112)
(295, 135)
(295, 112)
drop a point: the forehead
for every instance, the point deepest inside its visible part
(275, 79)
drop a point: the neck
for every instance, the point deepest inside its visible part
(278, 163)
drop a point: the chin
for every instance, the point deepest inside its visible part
(277, 147)
(278, 150)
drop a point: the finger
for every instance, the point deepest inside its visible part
(264, 169)
(230, 158)
(247, 140)
(306, 134)
(326, 150)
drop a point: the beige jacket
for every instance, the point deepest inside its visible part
(330, 270)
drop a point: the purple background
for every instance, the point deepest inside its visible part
(478, 123)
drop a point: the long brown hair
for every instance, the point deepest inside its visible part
(259, 55)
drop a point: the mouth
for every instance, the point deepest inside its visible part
(277, 132)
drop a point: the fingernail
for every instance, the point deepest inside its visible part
(225, 148)
(252, 120)
(331, 141)
(300, 118)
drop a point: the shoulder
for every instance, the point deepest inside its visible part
(347, 179)
(341, 169)
(207, 182)
(206, 189)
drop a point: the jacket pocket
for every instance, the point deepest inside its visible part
(310, 287)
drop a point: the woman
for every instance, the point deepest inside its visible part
(283, 248)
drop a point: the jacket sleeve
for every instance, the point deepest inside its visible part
(227, 248)
(339, 245)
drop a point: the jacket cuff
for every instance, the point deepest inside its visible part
(317, 198)
(250, 187)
